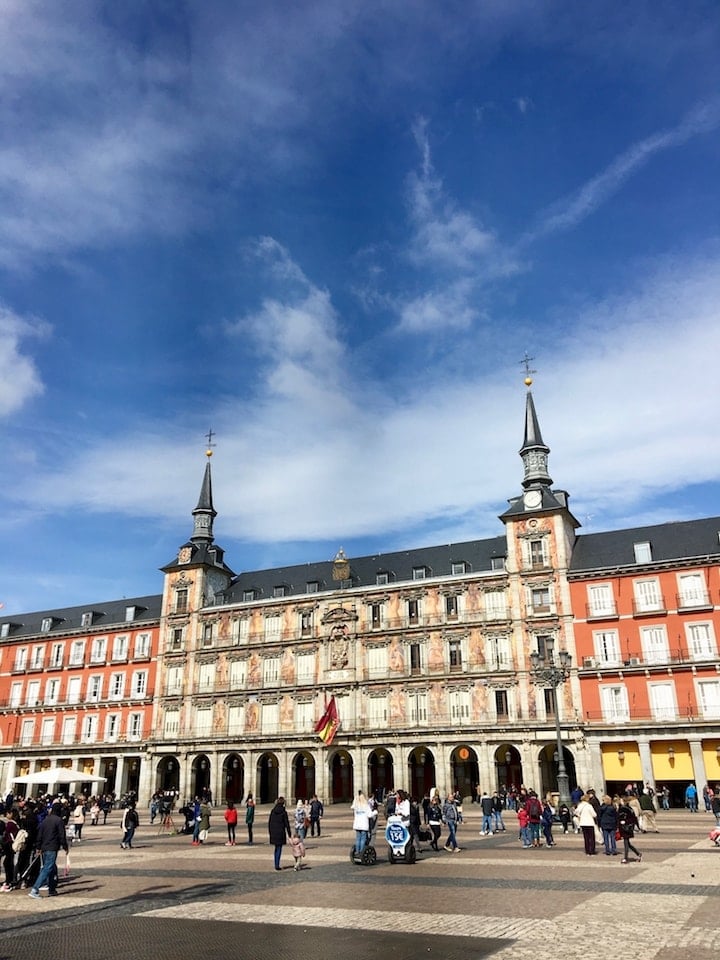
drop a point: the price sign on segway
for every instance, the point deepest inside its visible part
(396, 834)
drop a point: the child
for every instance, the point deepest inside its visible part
(298, 849)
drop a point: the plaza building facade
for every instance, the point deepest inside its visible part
(453, 666)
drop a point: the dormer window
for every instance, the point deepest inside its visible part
(46, 625)
(248, 596)
(280, 590)
(86, 620)
(419, 573)
(312, 586)
(129, 614)
(458, 567)
(497, 563)
(643, 552)
(382, 577)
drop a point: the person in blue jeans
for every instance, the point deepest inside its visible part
(450, 816)
(51, 838)
(691, 798)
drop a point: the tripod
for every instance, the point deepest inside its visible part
(167, 827)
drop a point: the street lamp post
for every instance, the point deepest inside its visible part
(545, 672)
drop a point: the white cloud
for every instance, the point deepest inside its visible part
(626, 403)
(20, 379)
(566, 213)
(438, 310)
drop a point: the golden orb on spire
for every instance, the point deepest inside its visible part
(528, 381)
(208, 453)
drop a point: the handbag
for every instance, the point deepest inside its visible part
(618, 835)
(202, 836)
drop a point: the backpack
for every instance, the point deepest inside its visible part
(20, 840)
(534, 807)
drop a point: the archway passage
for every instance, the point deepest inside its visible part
(234, 778)
(549, 769)
(168, 775)
(304, 776)
(464, 771)
(200, 777)
(508, 767)
(267, 778)
(421, 772)
(342, 782)
(381, 776)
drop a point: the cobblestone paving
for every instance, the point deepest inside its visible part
(491, 900)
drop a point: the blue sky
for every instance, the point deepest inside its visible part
(331, 231)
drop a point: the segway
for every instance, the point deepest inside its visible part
(367, 858)
(400, 845)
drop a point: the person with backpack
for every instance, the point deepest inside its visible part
(627, 821)
(130, 823)
(533, 807)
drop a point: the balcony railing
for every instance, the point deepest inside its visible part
(674, 657)
(648, 608)
(697, 600)
(608, 611)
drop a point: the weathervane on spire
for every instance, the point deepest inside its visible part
(526, 360)
(210, 434)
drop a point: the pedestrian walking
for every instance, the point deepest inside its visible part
(546, 822)
(450, 818)
(486, 805)
(130, 823)
(648, 813)
(435, 821)
(302, 820)
(497, 808)
(317, 811)
(9, 835)
(298, 850)
(278, 829)
(691, 798)
(627, 821)
(51, 838)
(249, 817)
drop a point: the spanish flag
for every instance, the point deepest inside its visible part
(329, 723)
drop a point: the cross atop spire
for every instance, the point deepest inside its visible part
(209, 435)
(525, 362)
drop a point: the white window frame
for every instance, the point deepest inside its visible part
(52, 691)
(77, 653)
(120, 647)
(90, 726)
(74, 689)
(139, 684)
(648, 595)
(708, 698)
(142, 646)
(21, 657)
(116, 688)
(495, 605)
(654, 641)
(37, 658)
(271, 671)
(57, 655)
(112, 727)
(700, 638)
(98, 649)
(94, 688)
(601, 600)
(615, 704)
(606, 644)
(135, 726)
(663, 705)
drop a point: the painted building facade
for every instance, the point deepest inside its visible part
(77, 689)
(646, 628)
(431, 655)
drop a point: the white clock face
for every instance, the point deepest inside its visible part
(532, 499)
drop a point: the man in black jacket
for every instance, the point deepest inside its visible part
(51, 838)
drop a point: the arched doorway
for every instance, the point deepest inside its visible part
(234, 778)
(132, 767)
(548, 763)
(421, 772)
(267, 778)
(464, 770)
(380, 773)
(342, 787)
(168, 775)
(200, 777)
(508, 768)
(303, 776)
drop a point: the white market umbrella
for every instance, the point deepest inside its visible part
(53, 776)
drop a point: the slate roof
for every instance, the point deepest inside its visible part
(109, 613)
(669, 542)
(438, 560)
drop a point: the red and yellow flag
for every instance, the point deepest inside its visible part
(329, 723)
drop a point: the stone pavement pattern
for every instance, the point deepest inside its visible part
(165, 898)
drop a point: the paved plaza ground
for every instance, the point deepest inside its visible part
(168, 900)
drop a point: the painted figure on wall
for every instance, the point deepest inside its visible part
(396, 656)
(397, 706)
(254, 670)
(435, 653)
(252, 717)
(287, 712)
(287, 667)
